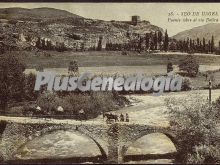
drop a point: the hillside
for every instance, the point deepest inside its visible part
(23, 27)
(38, 14)
(205, 31)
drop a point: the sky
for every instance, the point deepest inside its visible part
(156, 13)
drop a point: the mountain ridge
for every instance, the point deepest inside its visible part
(204, 31)
(35, 13)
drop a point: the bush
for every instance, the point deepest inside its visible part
(124, 53)
(194, 122)
(190, 65)
(60, 47)
(205, 154)
(30, 93)
(93, 103)
(48, 101)
(11, 79)
(216, 104)
(186, 84)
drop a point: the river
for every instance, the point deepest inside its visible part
(67, 145)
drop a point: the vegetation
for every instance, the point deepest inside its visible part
(190, 65)
(92, 103)
(193, 46)
(157, 41)
(166, 41)
(169, 67)
(195, 125)
(99, 48)
(46, 44)
(186, 84)
(16, 87)
(12, 80)
(150, 42)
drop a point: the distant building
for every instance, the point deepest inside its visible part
(135, 19)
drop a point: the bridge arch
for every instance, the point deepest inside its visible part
(48, 130)
(170, 136)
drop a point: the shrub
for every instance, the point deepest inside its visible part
(11, 79)
(190, 65)
(124, 53)
(48, 101)
(216, 104)
(92, 103)
(60, 47)
(30, 93)
(194, 122)
(186, 84)
(28, 109)
(169, 67)
(205, 154)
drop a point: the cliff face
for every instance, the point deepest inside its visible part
(22, 27)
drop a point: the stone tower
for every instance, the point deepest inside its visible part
(135, 19)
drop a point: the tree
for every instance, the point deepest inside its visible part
(49, 45)
(209, 46)
(155, 40)
(82, 46)
(160, 35)
(160, 38)
(12, 80)
(190, 65)
(43, 44)
(147, 41)
(212, 45)
(30, 93)
(140, 45)
(219, 45)
(73, 68)
(60, 46)
(195, 125)
(169, 67)
(166, 41)
(204, 45)
(198, 41)
(38, 43)
(2, 48)
(99, 48)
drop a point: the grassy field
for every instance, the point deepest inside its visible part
(112, 62)
(108, 58)
(200, 80)
(149, 70)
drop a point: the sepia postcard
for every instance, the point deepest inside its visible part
(100, 83)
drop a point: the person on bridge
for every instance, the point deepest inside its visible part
(127, 118)
(121, 117)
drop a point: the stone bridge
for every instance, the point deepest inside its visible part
(112, 140)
